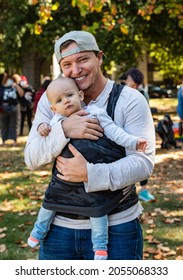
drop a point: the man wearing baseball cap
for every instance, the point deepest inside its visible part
(69, 238)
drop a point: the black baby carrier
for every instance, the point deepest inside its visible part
(70, 199)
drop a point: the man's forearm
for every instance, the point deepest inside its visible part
(43, 150)
(118, 174)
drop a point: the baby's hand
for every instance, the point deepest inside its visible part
(44, 129)
(141, 145)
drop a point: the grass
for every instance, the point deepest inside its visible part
(21, 193)
(164, 103)
(22, 190)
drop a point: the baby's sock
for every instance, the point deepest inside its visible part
(32, 242)
(100, 255)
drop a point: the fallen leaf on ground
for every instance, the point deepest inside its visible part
(149, 230)
(180, 250)
(163, 248)
(33, 213)
(3, 229)
(151, 250)
(171, 221)
(159, 256)
(170, 253)
(24, 245)
(2, 248)
(179, 258)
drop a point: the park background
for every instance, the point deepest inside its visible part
(143, 34)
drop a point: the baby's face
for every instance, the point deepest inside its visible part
(66, 101)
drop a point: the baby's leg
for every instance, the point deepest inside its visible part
(100, 236)
(41, 227)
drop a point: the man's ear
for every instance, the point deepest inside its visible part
(100, 55)
(81, 95)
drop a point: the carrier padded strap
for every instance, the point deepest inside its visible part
(113, 98)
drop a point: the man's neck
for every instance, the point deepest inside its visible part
(94, 92)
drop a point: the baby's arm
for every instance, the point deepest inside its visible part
(116, 133)
(44, 129)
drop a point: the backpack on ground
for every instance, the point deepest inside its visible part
(165, 131)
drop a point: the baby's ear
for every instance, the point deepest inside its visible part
(81, 95)
(52, 108)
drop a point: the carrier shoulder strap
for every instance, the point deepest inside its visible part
(127, 191)
(113, 98)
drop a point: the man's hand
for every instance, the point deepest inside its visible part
(77, 126)
(72, 169)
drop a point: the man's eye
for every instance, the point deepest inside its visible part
(84, 59)
(67, 65)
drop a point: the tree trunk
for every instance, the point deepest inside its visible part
(31, 68)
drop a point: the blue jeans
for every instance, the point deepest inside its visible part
(99, 228)
(125, 243)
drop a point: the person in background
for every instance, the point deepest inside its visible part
(26, 102)
(69, 237)
(46, 81)
(180, 102)
(135, 79)
(9, 94)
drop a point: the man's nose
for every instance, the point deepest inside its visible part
(76, 69)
